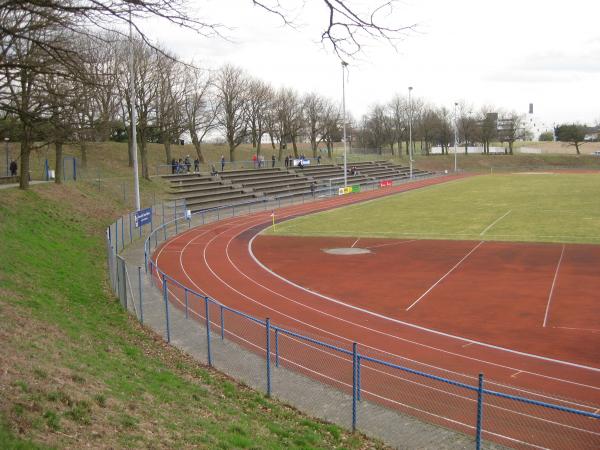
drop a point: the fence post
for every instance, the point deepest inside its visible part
(117, 236)
(130, 229)
(166, 299)
(122, 233)
(140, 294)
(222, 324)
(276, 347)
(354, 360)
(479, 412)
(358, 377)
(185, 293)
(207, 315)
(268, 328)
(124, 277)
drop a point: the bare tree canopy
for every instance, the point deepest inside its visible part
(346, 25)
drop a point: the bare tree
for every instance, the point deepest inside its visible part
(511, 128)
(232, 86)
(466, 124)
(199, 107)
(259, 98)
(347, 26)
(314, 110)
(399, 113)
(169, 101)
(291, 116)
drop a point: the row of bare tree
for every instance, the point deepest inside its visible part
(391, 125)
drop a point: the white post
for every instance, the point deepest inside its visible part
(7, 158)
(344, 64)
(410, 151)
(133, 137)
(455, 136)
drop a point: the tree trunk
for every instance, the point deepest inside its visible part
(25, 151)
(295, 147)
(272, 141)
(407, 149)
(168, 153)
(231, 151)
(280, 156)
(577, 148)
(198, 147)
(58, 166)
(83, 148)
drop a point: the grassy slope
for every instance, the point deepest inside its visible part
(551, 208)
(78, 371)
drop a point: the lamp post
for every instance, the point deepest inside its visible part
(410, 152)
(344, 65)
(455, 136)
(6, 147)
(133, 137)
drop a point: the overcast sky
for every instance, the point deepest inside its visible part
(506, 53)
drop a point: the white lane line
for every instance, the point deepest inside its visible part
(442, 279)
(590, 330)
(355, 242)
(553, 284)
(392, 243)
(495, 222)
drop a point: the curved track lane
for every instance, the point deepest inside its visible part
(216, 260)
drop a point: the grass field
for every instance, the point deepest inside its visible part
(518, 207)
(77, 371)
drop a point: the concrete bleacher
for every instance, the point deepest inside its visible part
(230, 187)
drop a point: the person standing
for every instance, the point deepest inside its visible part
(196, 165)
(318, 160)
(254, 160)
(222, 163)
(273, 161)
(13, 168)
(173, 165)
(287, 162)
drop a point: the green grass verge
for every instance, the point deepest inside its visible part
(542, 208)
(81, 372)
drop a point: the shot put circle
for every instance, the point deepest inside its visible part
(347, 251)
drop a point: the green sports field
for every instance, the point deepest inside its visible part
(544, 207)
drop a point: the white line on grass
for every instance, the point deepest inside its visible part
(441, 279)
(495, 222)
(562, 252)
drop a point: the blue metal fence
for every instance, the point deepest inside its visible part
(465, 406)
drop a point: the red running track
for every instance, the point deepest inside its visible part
(462, 323)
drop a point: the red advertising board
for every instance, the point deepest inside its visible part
(385, 183)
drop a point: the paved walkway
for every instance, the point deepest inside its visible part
(16, 185)
(314, 398)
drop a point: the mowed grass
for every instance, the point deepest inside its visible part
(77, 371)
(518, 207)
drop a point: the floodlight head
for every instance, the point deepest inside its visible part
(410, 88)
(344, 64)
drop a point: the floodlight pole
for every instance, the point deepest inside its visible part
(455, 137)
(344, 65)
(410, 151)
(133, 137)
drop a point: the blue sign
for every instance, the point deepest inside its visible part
(143, 217)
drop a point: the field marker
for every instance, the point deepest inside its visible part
(355, 242)
(553, 284)
(441, 279)
(514, 375)
(591, 330)
(392, 243)
(495, 222)
(467, 344)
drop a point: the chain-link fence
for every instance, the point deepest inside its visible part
(393, 397)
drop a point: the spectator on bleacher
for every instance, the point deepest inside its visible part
(173, 165)
(13, 168)
(301, 164)
(318, 160)
(196, 165)
(254, 160)
(313, 188)
(213, 170)
(180, 166)
(188, 163)
(287, 161)
(273, 161)
(261, 161)
(222, 163)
